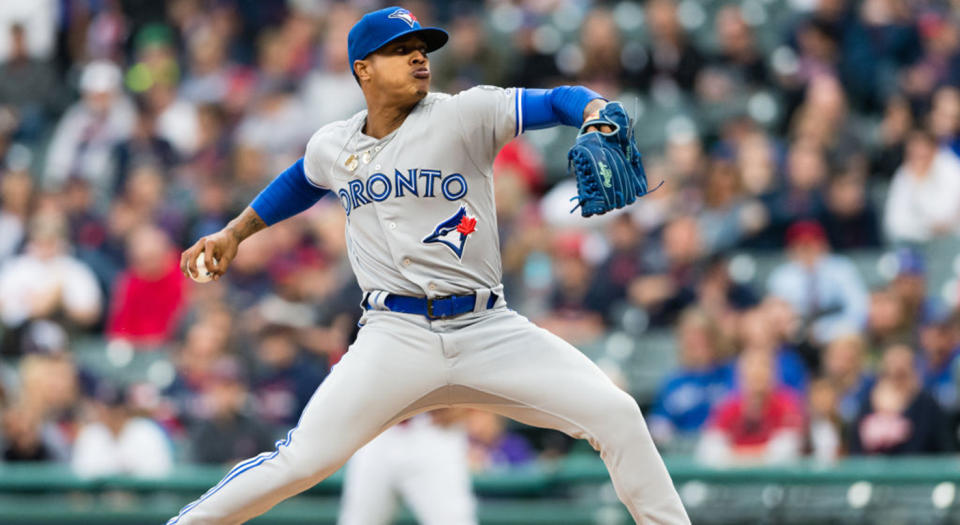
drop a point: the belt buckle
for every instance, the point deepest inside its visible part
(430, 301)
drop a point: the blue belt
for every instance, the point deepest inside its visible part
(435, 308)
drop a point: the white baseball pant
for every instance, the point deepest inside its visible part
(404, 364)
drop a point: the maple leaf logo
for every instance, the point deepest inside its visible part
(467, 225)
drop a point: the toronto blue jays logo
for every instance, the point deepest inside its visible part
(404, 15)
(454, 231)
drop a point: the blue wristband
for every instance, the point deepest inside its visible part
(287, 195)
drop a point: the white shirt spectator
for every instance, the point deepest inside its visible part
(919, 207)
(82, 143)
(141, 449)
(27, 276)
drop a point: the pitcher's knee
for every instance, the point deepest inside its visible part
(623, 423)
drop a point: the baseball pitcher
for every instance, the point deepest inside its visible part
(413, 173)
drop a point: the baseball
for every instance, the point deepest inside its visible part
(203, 275)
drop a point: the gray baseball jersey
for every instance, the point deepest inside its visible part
(419, 202)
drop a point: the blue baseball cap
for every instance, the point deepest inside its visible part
(379, 28)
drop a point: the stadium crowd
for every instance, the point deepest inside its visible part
(804, 129)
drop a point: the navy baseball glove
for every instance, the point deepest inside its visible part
(609, 171)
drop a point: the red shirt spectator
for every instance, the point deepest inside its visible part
(149, 294)
(761, 423)
(780, 411)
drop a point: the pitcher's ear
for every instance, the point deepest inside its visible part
(361, 69)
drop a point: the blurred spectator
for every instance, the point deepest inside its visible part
(147, 196)
(275, 126)
(944, 117)
(802, 197)
(144, 147)
(535, 65)
(664, 293)
(46, 282)
(284, 377)
(203, 345)
(22, 437)
(49, 390)
(89, 231)
(825, 431)
(672, 61)
(757, 333)
(89, 130)
(105, 32)
(900, 416)
(576, 308)
(601, 42)
(844, 366)
(213, 210)
(28, 86)
(117, 441)
(849, 217)
(824, 123)
(940, 349)
(229, 431)
(738, 54)
(148, 297)
(722, 219)
(211, 160)
(468, 59)
(888, 322)
(688, 395)
(249, 278)
(625, 262)
(924, 197)
(248, 171)
(760, 423)
(333, 79)
(940, 60)
(721, 297)
(209, 72)
(492, 446)
(824, 289)
(16, 203)
(910, 286)
(882, 40)
(687, 162)
(155, 76)
(892, 133)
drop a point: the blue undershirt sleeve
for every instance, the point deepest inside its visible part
(543, 108)
(287, 195)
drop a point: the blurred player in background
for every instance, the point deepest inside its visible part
(424, 461)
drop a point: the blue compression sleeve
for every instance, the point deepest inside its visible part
(289, 194)
(543, 108)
